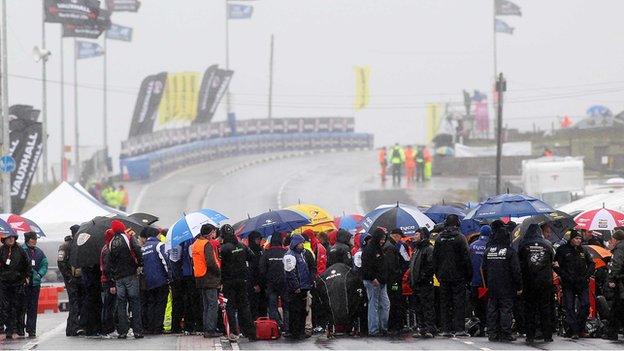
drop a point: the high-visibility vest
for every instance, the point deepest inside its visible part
(198, 252)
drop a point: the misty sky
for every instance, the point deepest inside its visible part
(564, 56)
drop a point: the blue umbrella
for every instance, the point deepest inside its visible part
(509, 205)
(187, 227)
(404, 217)
(273, 221)
(599, 111)
(6, 229)
(438, 214)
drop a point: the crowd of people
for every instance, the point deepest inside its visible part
(430, 284)
(106, 193)
(414, 163)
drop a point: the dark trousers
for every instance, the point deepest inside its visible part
(616, 317)
(479, 306)
(109, 304)
(156, 300)
(13, 298)
(420, 172)
(193, 306)
(28, 316)
(396, 319)
(257, 302)
(453, 306)
(537, 310)
(423, 304)
(177, 306)
(75, 293)
(576, 318)
(297, 313)
(272, 296)
(500, 315)
(396, 173)
(91, 311)
(128, 293)
(238, 306)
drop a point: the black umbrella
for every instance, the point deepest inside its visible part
(144, 218)
(558, 221)
(88, 242)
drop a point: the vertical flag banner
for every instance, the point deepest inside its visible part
(482, 119)
(213, 87)
(87, 49)
(434, 119)
(503, 27)
(362, 94)
(237, 11)
(26, 147)
(150, 94)
(179, 100)
(117, 32)
(507, 8)
(123, 5)
(79, 12)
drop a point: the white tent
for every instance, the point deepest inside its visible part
(63, 207)
(614, 201)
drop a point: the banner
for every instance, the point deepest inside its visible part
(521, 148)
(179, 101)
(92, 30)
(147, 103)
(117, 32)
(123, 5)
(482, 118)
(87, 49)
(26, 146)
(362, 96)
(26, 112)
(502, 27)
(507, 8)
(236, 11)
(213, 86)
(79, 12)
(434, 118)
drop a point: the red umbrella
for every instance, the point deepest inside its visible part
(21, 224)
(349, 223)
(599, 219)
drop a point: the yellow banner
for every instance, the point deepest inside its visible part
(362, 94)
(179, 101)
(434, 118)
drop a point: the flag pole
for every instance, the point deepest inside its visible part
(6, 177)
(271, 79)
(227, 56)
(62, 54)
(495, 55)
(44, 103)
(76, 119)
(105, 103)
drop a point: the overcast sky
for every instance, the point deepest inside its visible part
(564, 56)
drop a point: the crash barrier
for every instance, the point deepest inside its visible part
(168, 159)
(49, 298)
(141, 144)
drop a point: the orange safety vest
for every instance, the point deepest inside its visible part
(198, 252)
(409, 158)
(382, 156)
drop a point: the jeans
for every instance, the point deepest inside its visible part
(576, 318)
(28, 317)
(273, 295)
(209, 298)
(128, 292)
(378, 307)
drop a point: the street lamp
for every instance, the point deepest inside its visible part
(42, 55)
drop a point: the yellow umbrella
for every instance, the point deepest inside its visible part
(320, 219)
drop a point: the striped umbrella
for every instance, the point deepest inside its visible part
(407, 218)
(599, 219)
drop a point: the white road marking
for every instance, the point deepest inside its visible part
(280, 192)
(204, 203)
(485, 349)
(44, 337)
(468, 342)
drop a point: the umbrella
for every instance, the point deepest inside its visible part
(599, 254)
(438, 214)
(144, 218)
(320, 219)
(405, 217)
(87, 245)
(559, 222)
(189, 226)
(6, 229)
(509, 205)
(599, 219)
(274, 221)
(349, 223)
(599, 111)
(21, 224)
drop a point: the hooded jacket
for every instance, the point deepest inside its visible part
(271, 264)
(18, 268)
(235, 259)
(451, 257)
(340, 252)
(296, 272)
(501, 267)
(253, 276)
(63, 259)
(536, 256)
(373, 266)
(125, 256)
(477, 249)
(319, 254)
(575, 266)
(357, 256)
(40, 268)
(156, 266)
(105, 277)
(421, 264)
(616, 265)
(396, 260)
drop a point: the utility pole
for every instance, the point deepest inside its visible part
(104, 105)
(63, 163)
(76, 119)
(501, 87)
(271, 79)
(495, 50)
(227, 56)
(6, 177)
(44, 103)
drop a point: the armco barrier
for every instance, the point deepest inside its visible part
(175, 157)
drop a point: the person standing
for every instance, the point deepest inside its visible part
(410, 164)
(255, 286)
(575, 266)
(39, 268)
(419, 162)
(271, 270)
(123, 198)
(15, 270)
(73, 283)
(501, 270)
(615, 285)
(207, 273)
(156, 272)
(396, 259)
(299, 281)
(421, 282)
(453, 269)
(397, 159)
(235, 259)
(109, 291)
(375, 277)
(477, 250)
(125, 260)
(340, 252)
(383, 163)
(536, 256)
